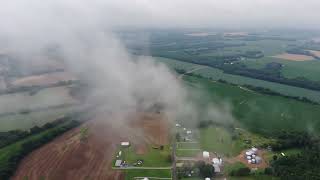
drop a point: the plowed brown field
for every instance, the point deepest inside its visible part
(66, 158)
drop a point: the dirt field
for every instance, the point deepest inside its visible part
(294, 57)
(261, 165)
(67, 158)
(43, 79)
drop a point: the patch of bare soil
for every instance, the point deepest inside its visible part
(294, 57)
(262, 165)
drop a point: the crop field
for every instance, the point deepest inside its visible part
(291, 69)
(294, 57)
(216, 74)
(43, 79)
(69, 157)
(17, 102)
(31, 119)
(262, 113)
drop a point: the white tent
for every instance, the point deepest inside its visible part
(205, 154)
(125, 143)
(249, 153)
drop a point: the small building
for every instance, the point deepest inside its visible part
(207, 178)
(205, 154)
(118, 163)
(125, 144)
(178, 125)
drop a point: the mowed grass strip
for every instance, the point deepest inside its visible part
(152, 158)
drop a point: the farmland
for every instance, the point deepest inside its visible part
(97, 150)
(264, 114)
(31, 119)
(17, 102)
(43, 79)
(294, 57)
(216, 74)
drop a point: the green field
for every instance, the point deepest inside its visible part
(216, 74)
(291, 69)
(37, 118)
(187, 153)
(153, 158)
(260, 113)
(132, 174)
(217, 139)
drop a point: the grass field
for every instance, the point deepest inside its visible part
(131, 174)
(291, 69)
(217, 74)
(261, 113)
(153, 158)
(217, 139)
(39, 118)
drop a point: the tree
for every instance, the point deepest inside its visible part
(205, 170)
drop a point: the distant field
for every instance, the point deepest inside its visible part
(317, 53)
(39, 118)
(216, 74)
(261, 113)
(177, 64)
(17, 102)
(43, 79)
(291, 69)
(294, 57)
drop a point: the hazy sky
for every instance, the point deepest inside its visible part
(173, 13)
